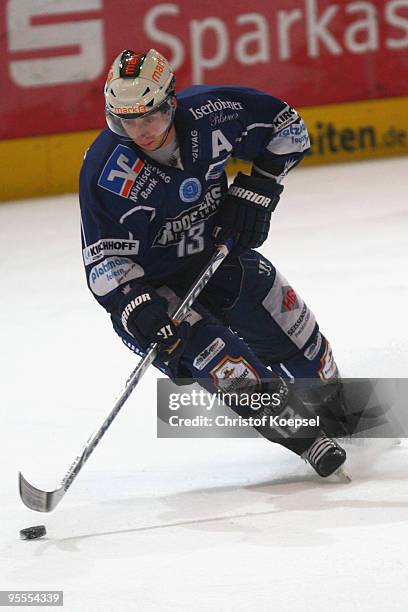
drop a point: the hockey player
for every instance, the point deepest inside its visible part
(155, 200)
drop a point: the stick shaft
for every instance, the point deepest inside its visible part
(139, 371)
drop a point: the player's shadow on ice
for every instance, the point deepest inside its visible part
(263, 513)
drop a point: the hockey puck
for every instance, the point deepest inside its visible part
(31, 533)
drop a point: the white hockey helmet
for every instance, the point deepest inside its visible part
(138, 85)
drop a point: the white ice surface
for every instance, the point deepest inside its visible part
(183, 525)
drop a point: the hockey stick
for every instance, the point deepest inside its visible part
(46, 501)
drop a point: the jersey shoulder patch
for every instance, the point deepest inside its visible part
(121, 171)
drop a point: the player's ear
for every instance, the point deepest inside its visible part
(173, 102)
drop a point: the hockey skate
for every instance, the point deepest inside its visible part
(327, 457)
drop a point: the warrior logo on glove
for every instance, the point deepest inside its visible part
(245, 212)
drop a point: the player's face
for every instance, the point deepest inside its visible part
(148, 132)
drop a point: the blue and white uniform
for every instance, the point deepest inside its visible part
(146, 222)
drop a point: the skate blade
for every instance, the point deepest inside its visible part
(342, 474)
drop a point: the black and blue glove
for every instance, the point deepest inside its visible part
(144, 315)
(245, 212)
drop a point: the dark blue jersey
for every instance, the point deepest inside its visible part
(147, 221)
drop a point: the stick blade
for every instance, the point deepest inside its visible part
(343, 475)
(36, 499)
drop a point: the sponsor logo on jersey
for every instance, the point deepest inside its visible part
(293, 317)
(164, 177)
(144, 188)
(147, 180)
(284, 118)
(289, 299)
(297, 328)
(292, 139)
(234, 374)
(328, 370)
(214, 106)
(112, 272)
(190, 190)
(208, 353)
(109, 246)
(221, 117)
(312, 351)
(195, 145)
(121, 171)
(173, 230)
(216, 170)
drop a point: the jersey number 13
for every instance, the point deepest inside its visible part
(192, 241)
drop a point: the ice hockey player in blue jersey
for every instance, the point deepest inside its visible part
(154, 203)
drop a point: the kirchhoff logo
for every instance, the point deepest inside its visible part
(109, 246)
(284, 118)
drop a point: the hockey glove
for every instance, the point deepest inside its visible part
(245, 212)
(144, 316)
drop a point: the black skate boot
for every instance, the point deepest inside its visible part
(325, 456)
